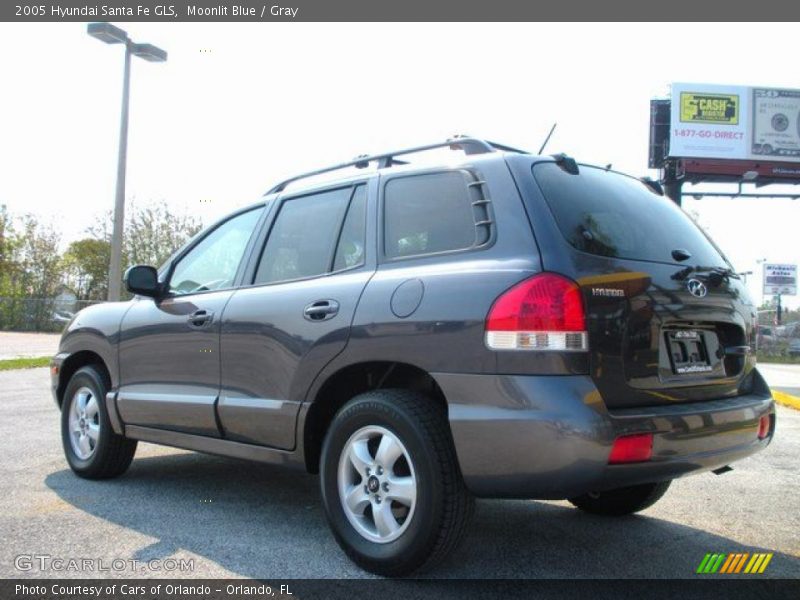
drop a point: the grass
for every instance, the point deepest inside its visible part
(778, 358)
(24, 363)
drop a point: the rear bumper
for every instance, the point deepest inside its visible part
(550, 437)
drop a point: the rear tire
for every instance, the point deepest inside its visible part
(621, 501)
(91, 447)
(406, 506)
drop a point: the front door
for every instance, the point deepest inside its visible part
(169, 347)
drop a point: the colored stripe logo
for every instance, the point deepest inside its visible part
(734, 563)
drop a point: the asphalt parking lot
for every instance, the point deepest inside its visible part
(238, 519)
(18, 344)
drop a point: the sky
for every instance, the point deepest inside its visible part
(239, 106)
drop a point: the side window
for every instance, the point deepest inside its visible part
(301, 242)
(212, 263)
(424, 214)
(351, 249)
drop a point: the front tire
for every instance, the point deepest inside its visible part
(391, 486)
(91, 447)
(621, 501)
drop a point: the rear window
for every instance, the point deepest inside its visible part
(608, 214)
(425, 214)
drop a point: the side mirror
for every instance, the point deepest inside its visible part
(142, 280)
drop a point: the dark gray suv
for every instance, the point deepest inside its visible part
(507, 326)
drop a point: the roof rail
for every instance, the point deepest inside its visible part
(469, 145)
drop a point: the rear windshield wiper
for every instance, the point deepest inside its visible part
(653, 185)
(566, 163)
(715, 274)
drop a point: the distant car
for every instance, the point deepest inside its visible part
(766, 336)
(791, 330)
(62, 316)
(794, 347)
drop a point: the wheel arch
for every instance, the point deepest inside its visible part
(356, 379)
(72, 364)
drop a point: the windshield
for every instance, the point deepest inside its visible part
(609, 214)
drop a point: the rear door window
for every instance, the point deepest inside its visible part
(605, 213)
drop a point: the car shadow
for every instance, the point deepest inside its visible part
(261, 521)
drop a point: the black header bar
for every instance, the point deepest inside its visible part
(407, 10)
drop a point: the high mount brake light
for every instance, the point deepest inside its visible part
(544, 312)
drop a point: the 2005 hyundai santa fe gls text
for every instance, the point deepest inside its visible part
(512, 326)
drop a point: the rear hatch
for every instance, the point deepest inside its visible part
(668, 319)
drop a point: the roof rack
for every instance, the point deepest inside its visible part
(469, 145)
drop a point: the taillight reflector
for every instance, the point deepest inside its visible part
(763, 427)
(544, 312)
(631, 449)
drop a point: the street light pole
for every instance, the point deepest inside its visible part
(108, 33)
(115, 265)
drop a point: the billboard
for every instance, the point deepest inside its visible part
(776, 124)
(780, 279)
(734, 122)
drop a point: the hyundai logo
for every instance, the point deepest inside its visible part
(697, 288)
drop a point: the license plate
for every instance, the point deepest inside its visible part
(688, 352)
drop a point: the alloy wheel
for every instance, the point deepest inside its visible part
(84, 423)
(377, 484)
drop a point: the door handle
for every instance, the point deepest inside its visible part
(200, 318)
(321, 310)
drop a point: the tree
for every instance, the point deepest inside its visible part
(39, 258)
(8, 247)
(153, 233)
(86, 268)
(30, 272)
(10, 307)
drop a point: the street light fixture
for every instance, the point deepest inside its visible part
(108, 33)
(149, 52)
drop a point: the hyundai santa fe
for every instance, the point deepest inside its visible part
(505, 326)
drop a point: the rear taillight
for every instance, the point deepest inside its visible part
(631, 449)
(544, 312)
(763, 427)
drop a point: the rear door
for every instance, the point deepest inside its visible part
(667, 319)
(306, 279)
